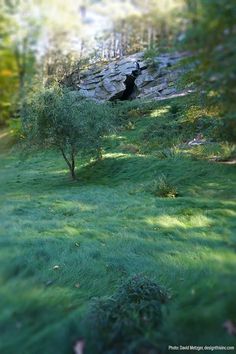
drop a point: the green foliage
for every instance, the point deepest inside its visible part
(19, 35)
(211, 37)
(150, 54)
(228, 127)
(8, 72)
(175, 109)
(163, 188)
(170, 153)
(62, 119)
(126, 110)
(152, 23)
(128, 321)
(227, 152)
(177, 121)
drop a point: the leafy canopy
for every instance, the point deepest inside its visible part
(55, 117)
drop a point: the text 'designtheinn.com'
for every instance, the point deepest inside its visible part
(200, 348)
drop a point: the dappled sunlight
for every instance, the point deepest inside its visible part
(58, 172)
(6, 140)
(222, 258)
(168, 221)
(4, 134)
(115, 137)
(117, 155)
(65, 206)
(175, 95)
(159, 112)
(165, 221)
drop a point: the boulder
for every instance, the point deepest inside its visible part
(143, 79)
(128, 78)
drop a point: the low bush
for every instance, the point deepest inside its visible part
(175, 109)
(150, 56)
(228, 127)
(163, 188)
(128, 321)
(170, 153)
(227, 151)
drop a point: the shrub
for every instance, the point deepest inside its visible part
(228, 127)
(150, 55)
(130, 110)
(134, 113)
(227, 151)
(121, 322)
(163, 188)
(175, 109)
(62, 119)
(170, 153)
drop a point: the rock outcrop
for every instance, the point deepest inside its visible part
(130, 77)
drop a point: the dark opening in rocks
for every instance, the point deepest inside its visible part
(131, 90)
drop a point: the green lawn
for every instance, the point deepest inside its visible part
(64, 242)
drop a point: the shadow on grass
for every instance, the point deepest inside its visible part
(112, 170)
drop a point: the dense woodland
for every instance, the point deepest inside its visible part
(117, 217)
(33, 46)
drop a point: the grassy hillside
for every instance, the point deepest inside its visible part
(64, 242)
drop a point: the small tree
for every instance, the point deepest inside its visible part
(62, 119)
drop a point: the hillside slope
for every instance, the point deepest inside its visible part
(63, 243)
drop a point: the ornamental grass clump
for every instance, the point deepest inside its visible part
(129, 320)
(163, 188)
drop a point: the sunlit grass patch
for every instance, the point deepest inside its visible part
(183, 222)
(159, 112)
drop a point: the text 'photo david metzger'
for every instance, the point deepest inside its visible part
(201, 348)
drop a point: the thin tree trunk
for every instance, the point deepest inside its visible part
(73, 175)
(71, 164)
(149, 37)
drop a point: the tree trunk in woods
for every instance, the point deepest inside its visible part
(20, 61)
(114, 44)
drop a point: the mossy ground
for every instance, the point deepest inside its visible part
(64, 242)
